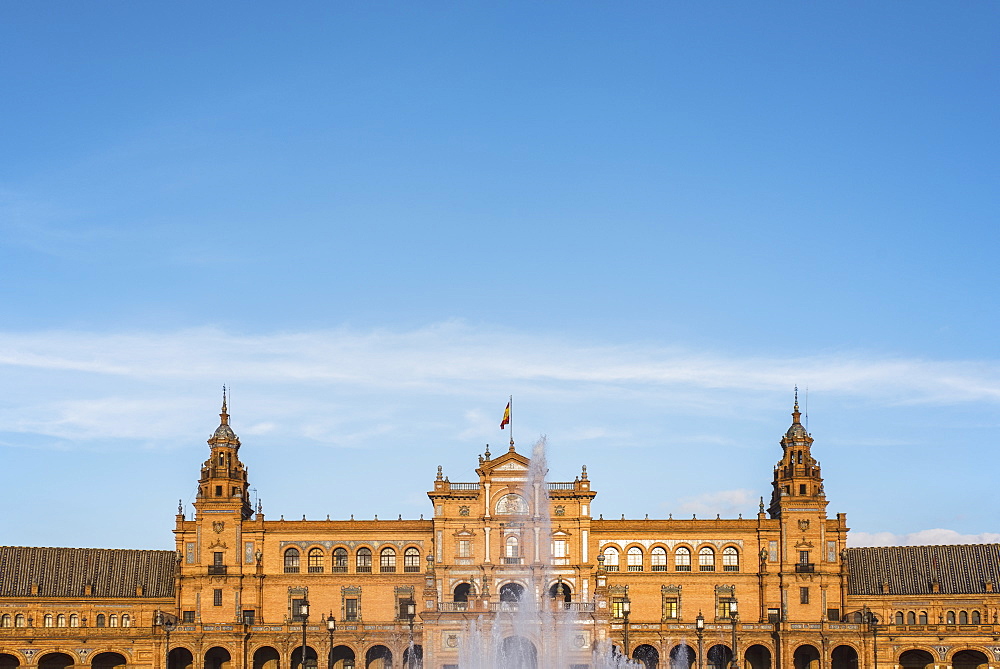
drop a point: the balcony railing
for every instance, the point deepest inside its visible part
(464, 486)
(513, 560)
(805, 567)
(217, 570)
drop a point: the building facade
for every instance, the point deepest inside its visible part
(508, 563)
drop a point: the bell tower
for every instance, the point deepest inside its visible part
(797, 481)
(223, 482)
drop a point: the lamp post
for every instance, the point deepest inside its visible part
(411, 611)
(734, 616)
(626, 609)
(331, 627)
(168, 625)
(872, 621)
(699, 627)
(304, 614)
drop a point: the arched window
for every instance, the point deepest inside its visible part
(512, 553)
(48, 621)
(963, 617)
(126, 621)
(411, 560)
(976, 620)
(658, 558)
(363, 561)
(950, 618)
(922, 618)
(101, 620)
(316, 560)
(113, 620)
(611, 558)
(706, 559)
(730, 559)
(635, 559)
(339, 560)
(5, 620)
(682, 559)
(19, 620)
(74, 620)
(61, 620)
(292, 561)
(387, 561)
(911, 618)
(899, 617)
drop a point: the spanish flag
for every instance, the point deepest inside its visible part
(506, 417)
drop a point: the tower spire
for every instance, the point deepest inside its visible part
(225, 414)
(796, 415)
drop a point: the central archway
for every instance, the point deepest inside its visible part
(218, 658)
(682, 656)
(648, 655)
(806, 657)
(516, 652)
(969, 659)
(108, 661)
(916, 659)
(719, 656)
(511, 592)
(758, 657)
(55, 661)
(844, 657)
(180, 658)
(266, 657)
(342, 657)
(378, 657)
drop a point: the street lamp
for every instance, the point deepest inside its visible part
(411, 611)
(626, 609)
(304, 614)
(872, 621)
(734, 616)
(699, 627)
(168, 625)
(331, 627)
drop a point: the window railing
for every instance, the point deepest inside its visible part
(682, 567)
(388, 569)
(291, 570)
(513, 560)
(635, 567)
(364, 569)
(316, 570)
(217, 570)
(658, 567)
(706, 567)
(411, 569)
(730, 567)
(339, 569)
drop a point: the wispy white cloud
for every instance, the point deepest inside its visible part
(921, 538)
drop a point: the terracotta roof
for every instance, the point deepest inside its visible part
(65, 572)
(910, 570)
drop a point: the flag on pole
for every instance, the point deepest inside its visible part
(506, 417)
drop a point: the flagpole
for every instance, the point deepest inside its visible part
(511, 424)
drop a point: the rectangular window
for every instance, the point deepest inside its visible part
(803, 557)
(774, 616)
(351, 609)
(297, 609)
(217, 597)
(833, 615)
(187, 617)
(618, 607)
(802, 489)
(803, 595)
(722, 607)
(218, 491)
(218, 558)
(464, 548)
(671, 605)
(249, 617)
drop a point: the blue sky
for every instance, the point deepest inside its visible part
(375, 221)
